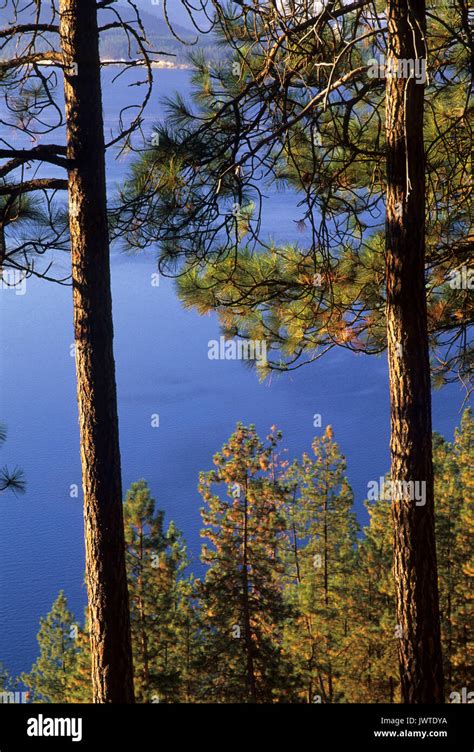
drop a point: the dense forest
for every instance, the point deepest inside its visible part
(362, 110)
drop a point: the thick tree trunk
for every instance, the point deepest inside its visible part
(410, 389)
(112, 675)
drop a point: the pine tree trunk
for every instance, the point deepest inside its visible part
(410, 389)
(112, 675)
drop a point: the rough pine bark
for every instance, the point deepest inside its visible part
(415, 566)
(112, 675)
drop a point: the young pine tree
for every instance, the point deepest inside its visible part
(50, 676)
(79, 679)
(371, 670)
(463, 617)
(161, 616)
(454, 533)
(242, 602)
(321, 561)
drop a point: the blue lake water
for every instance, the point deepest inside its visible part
(162, 367)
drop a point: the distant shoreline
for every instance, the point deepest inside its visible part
(160, 64)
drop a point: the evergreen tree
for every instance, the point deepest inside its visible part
(243, 608)
(371, 666)
(49, 678)
(322, 529)
(463, 613)
(454, 533)
(79, 678)
(161, 612)
(163, 618)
